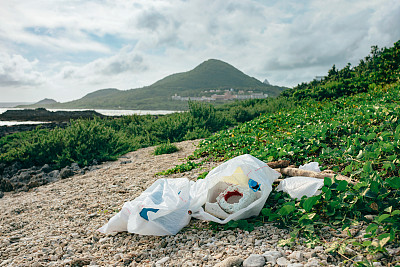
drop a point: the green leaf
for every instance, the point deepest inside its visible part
(395, 212)
(328, 195)
(368, 167)
(310, 202)
(394, 182)
(286, 210)
(383, 239)
(266, 212)
(371, 136)
(342, 185)
(367, 243)
(371, 228)
(327, 181)
(383, 217)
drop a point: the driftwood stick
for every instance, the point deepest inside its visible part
(278, 164)
(320, 175)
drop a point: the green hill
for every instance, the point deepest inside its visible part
(210, 75)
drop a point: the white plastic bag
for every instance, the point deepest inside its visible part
(300, 186)
(312, 166)
(160, 210)
(243, 171)
(168, 204)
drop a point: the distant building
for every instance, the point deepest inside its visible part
(319, 78)
(266, 82)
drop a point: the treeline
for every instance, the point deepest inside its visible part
(381, 67)
(103, 139)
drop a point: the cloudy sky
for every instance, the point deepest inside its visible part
(64, 49)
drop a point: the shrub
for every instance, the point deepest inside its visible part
(166, 148)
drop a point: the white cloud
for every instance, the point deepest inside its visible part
(15, 70)
(85, 45)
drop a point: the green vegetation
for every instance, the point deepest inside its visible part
(379, 68)
(165, 148)
(352, 129)
(105, 139)
(212, 74)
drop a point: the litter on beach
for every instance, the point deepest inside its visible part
(235, 190)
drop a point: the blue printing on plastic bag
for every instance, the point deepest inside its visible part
(144, 211)
(254, 185)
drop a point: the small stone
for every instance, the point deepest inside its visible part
(319, 248)
(219, 255)
(258, 242)
(322, 256)
(282, 261)
(271, 256)
(254, 260)
(231, 238)
(377, 264)
(350, 252)
(296, 255)
(295, 265)
(162, 261)
(53, 258)
(66, 172)
(163, 244)
(312, 262)
(311, 254)
(230, 262)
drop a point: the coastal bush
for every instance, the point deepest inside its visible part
(165, 148)
(101, 139)
(380, 67)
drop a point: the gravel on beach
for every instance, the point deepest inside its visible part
(56, 225)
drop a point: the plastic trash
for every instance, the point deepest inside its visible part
(162, 209)
(312, 166)
(300, 186)
(237, 189)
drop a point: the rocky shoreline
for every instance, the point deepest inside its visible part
(42, 114)
(14, 178)
(10, 129)
(56, 225)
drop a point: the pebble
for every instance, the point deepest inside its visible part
(230, 261)
(312, 262)
(162, 261)
(254, 261)
(271, 256)
(296, 255)
(282, 261)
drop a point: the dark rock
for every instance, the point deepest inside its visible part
(95, 162)
(75, 167)
(2, 166)
(23, 177)
(46, 168)
(6, 185)
(66, 172)
(41, 114)
(34, 183)
(6, 130)
(1, 194)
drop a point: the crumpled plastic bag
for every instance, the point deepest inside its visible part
(168, 205)
(241, 171)
(312, 166)
(300, 186)
(162, 209)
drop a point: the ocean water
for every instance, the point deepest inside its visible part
(107, 112)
